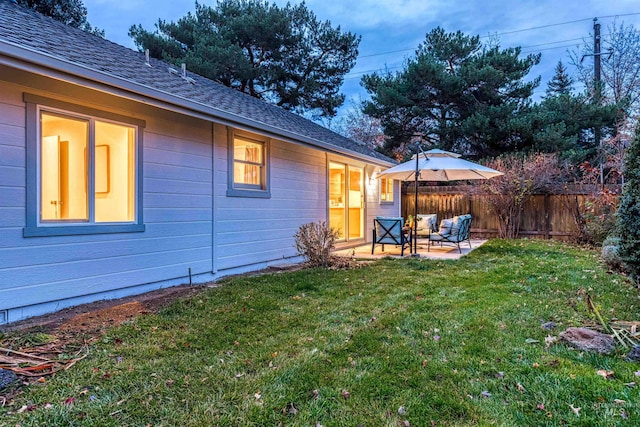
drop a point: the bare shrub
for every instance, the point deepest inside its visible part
(524, 175)
(593, 214)
(314, 242)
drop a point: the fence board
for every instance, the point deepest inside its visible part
(544, 216)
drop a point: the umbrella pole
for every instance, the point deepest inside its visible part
(415, 204)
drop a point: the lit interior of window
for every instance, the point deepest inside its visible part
(356, 198)
(65, 166)
(63, 175)
(346, 196)
(386, 190)
(114, 172)
(248, 162)
(337, 198)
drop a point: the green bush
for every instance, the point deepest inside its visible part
(611, 252)
(629, 211)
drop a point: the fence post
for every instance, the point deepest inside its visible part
(547, 217)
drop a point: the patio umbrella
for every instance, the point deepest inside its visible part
(436, 165)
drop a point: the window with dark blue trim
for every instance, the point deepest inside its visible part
(248, 166)
(84, 170)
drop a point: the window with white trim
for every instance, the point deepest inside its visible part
(85, 175)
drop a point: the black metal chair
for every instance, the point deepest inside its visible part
(389, 231)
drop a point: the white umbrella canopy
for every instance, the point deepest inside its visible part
(439, 165)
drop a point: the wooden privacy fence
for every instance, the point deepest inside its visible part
(544, 215)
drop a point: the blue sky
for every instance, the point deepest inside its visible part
(392, 29)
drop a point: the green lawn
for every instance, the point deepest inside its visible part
(398, 342)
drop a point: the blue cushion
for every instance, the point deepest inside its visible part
(436, 237)
(455, 225)
(445, 227)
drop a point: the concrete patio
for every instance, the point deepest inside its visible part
(446, 251)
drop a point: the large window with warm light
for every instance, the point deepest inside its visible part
(248, 166)
(77, 153)
(386, 190)
(85, 174)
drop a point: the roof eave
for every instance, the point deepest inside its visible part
(47, 65)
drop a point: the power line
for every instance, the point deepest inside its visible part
(412, 49)
(547, 48)
(539, 27)
(563, 23)
(353, 74)
(515, 31)
(357, 74)
(548, 43)
(385, 53)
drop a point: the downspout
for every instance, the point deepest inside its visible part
(214, 227)
(416, 175)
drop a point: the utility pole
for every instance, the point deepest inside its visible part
(597, 95)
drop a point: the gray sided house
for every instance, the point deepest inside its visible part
(121, 174)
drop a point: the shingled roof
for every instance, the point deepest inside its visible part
(45, 41)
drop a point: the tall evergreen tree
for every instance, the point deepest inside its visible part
(629, 211)
(561, 83)
(564, 123)
(455, 94)
(283, 55)
(70, 12)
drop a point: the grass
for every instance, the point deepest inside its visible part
(410, 340)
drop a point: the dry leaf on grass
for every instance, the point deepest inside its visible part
(605, 374)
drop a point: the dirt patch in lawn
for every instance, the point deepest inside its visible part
(41, 346)
(97, 316)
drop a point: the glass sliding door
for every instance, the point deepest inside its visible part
(346, 200)
(337, 198)
(356, 203)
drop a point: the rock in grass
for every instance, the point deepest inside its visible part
(549, 325)
(588, 340)
(634, 354)
(6, 378)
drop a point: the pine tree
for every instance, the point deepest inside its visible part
(70, 12)
(283, 55)
(455, 94)
(629, 211)
(561, 83)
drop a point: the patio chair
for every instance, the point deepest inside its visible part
(454, 230)
(389, 231)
